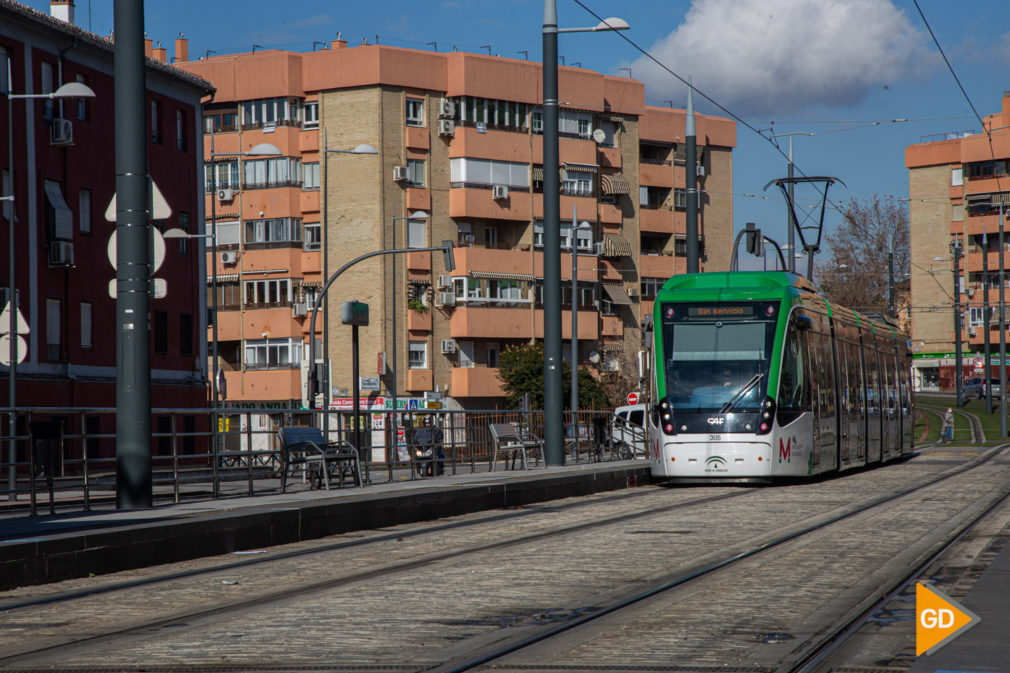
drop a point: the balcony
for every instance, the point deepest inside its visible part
(475, 382)
(419, 261)
(973, 261)
(657, 221)
(492, 322)
(419, 380)
(612, 325)
(418, 198)
(653, 175)
(656, 266)
(419, 321)
(264, 384)
(417, 138)
(478, 203)
(610, 213)
(609, 156)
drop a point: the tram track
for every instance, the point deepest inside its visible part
(50, 652)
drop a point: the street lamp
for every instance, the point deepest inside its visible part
(574, 389)
(363, 148)
(553, 394)
(68, 90)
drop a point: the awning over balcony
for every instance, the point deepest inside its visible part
(617, 294)
(614, 184)
(612, 348)
(615, 245)
(989, 197)
(223, 278)
(580, 168)
(64, 229)
(501, 276)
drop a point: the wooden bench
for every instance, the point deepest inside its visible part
(511, 439)
(306, 449)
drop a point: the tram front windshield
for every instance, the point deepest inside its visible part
(716, 356)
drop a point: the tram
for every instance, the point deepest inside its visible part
(757, 376)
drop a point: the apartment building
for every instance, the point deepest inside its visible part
(63, 180)
(959, 184)
(459, 157)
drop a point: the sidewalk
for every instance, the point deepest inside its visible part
(35, 550)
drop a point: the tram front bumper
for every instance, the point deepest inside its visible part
(701, 457)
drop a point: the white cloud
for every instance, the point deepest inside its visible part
(761, 57)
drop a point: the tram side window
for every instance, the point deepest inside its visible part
(794, 384)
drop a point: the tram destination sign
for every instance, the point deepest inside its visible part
(721, 311)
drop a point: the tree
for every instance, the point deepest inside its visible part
(521, 370)
(855, 274)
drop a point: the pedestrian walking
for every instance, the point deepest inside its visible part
(947, 428)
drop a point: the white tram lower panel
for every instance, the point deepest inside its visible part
(784, 452)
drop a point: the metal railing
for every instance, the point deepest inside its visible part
(190, 460)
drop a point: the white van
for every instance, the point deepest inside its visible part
(627, 430)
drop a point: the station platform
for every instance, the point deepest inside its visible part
(40, 549)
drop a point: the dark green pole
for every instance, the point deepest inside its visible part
(955, 253)
(133, 296)
(554, 453)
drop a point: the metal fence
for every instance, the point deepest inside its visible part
(65, 459)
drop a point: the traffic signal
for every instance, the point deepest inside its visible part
(755, 243)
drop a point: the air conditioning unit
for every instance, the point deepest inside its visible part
(448, 345)
(226, 195)
(500, 192)
(445, 299)
(444, 280)
(699, 170)
(446, 127)
(599, 247)
(61, 253)
(632, 292)
(61, 132)
(446, 108)
(299, 309)
(399, 173)
(229, 257)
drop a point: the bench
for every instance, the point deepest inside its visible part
(511, 439)
(306, 449)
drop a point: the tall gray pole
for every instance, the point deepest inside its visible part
(12, 388)
(691, 183)
(133, 272)
(955, 253)
(985, 322)
(1002, 332)
(392, 391)
(214, 418)
(789, 217)
(326, 306)
(574, 387)
(554, 420)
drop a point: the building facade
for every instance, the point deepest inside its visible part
(459, 157)
(62, 181)
(958, 187)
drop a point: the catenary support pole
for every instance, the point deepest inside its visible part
(133, 292)
(691, 183)
(1002, 331)
(553, 393)
(986, 321)
(955, 253)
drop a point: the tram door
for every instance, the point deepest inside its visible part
(873, 398)
(892, 413)
(846, 422)
(857, 401)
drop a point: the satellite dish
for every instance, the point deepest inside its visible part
(599, 136)
(594, 357)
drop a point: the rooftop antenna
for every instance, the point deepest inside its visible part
(628, 69)
(525, 53)
(488, 47)
(577, 64)
(209, 52)
(376, 38)
(256, 46)
(339, 34)
(562, 59)
(434, 45)
(364, 40)
(669, 103)
(321, 44)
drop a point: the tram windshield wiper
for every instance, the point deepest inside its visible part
(740, 394)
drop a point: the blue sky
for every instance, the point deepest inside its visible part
(827, 67)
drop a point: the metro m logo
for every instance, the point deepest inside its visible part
(785, 450)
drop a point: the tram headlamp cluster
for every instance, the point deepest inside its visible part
(666, 416)
(767, 414)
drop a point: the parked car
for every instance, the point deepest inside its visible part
(975, 387)
(627, 430)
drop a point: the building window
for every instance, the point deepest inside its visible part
(651, 286)
(492, 355)
(160, 332)
(47, 87)
(84, 210)
(82, 103)
(220, 121)
(415, 173)
(227, 176)
(267, 173)
(184, 225)
(273, 353)
(469, 172)
(311, 115)
(180, 131)
(54, 310)
(263, 293)
(310, 175)
(313, 233)
(276, 230)
(4, 84)
(417, 355)
(269, 113)
(538, 121)
(185, 334)
(416, 235)
(156, 132)
(415, 112)
(956, 177)
(86, 322)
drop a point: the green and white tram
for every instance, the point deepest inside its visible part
(758, 376)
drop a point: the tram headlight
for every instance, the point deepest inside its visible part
(767, 416)
(668, 428)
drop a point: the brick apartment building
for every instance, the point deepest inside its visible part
(956, 184)
(460, 158)
(63, 180)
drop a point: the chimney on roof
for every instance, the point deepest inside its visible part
(160, 53)
(62, 10)
(148, 47)
(181, 49)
